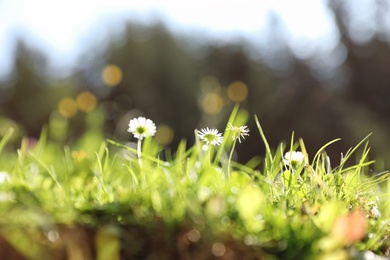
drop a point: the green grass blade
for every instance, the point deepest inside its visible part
(134, 151)
(269, 160)
(323, 148)
(7, 136)
(351, 151)
(267, 148)
(226, 135)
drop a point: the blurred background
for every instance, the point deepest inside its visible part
(83, 69)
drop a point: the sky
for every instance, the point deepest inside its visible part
(65, 29)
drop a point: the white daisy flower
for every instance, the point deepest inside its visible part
(294, 158)
(141, 127)
(210, 136)
(239, 132)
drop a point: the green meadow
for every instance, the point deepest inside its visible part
(98, 198)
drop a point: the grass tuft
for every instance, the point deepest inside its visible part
(61, 202)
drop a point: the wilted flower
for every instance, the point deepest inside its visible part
(374, 211)
(238, 132)
(210, 136)
(293, 158)
(141, 127)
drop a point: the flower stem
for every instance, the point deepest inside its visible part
(209, 154)
(230, 157)
(139, 147)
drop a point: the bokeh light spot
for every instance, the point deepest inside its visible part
(164, 134)
(193, 235)
(67, 107)
(209, 84)
(212, 104)
(237, 91)
(218, 249)
(112, 75)
(86, 101)
(58, 126)
(79, 156)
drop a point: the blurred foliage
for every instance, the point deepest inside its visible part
(186, 82)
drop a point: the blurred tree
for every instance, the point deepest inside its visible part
(184, 82)
(159, 79)
(367, 90)
(28, 87)
(30, 99)
(368, 55)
